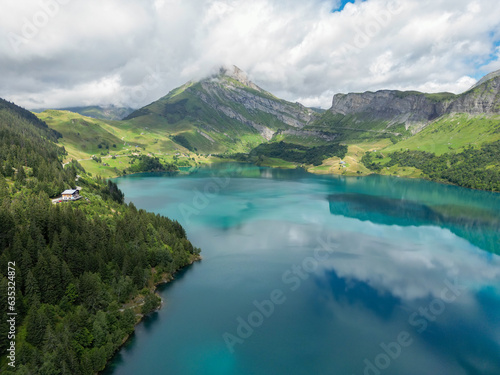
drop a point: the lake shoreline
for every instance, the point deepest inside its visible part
(315, 172)
(166, 278)
(340, 234)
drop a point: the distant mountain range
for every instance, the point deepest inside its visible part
(103, 113)
(411, 107)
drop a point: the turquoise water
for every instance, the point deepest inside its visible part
(305, 274)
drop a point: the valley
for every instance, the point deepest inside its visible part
(250, 188)
(227, 117)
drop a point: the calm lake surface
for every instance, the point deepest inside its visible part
(306, 274)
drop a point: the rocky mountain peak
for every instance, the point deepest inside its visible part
(486, 78)
(238, 75)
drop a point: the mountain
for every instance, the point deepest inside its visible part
(393, 106)
(11, 113)
(392, 113)
(110, 112)
(486, 78)
(413, 107)
(224, 112)
(482, 98)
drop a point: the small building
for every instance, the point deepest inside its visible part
(342, 162)
(70, 195)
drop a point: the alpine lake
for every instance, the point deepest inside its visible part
(307, 274)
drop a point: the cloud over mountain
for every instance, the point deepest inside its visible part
(57, 53)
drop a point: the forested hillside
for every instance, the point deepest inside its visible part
(84, 270)
(471, 168)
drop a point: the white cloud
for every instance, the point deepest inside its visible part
(399, 269)
(295, 49)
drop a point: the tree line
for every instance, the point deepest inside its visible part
(476, 168)
(291, 152)
(298, 153)
(144, 163)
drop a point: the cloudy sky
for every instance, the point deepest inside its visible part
(59, 53)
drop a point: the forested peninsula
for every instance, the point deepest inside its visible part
(84, 270)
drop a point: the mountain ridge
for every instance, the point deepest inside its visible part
(486, 78)
(410, 107)
(394, 113)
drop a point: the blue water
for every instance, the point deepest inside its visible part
(305, 274)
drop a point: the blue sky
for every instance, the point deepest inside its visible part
(483, 66)
(343, 4)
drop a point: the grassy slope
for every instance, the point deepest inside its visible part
(353, 164)
(356, 127)
(103, 113)
(448, 134)
(452, 133)
(82, 135)
(185, 114)
(182, 112)
(304, 139)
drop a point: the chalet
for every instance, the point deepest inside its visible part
(70, 195)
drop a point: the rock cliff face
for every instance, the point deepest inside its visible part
(411, 107)
(232, 87)
(482, 98)
(397, 106)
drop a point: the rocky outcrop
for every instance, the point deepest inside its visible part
(239, 75)
(232, 87)
(387, 105)
(412, 107)
(233, 95)
(206, 136)
(484, 98)
(485, 79)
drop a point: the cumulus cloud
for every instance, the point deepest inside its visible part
(56, 53)
(399, 269)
